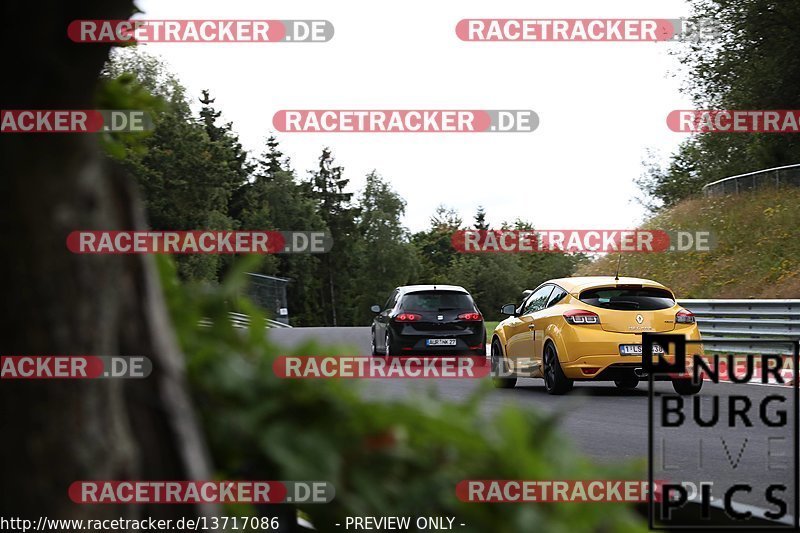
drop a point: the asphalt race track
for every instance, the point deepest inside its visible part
(612, 425)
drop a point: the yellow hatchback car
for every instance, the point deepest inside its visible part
(587, 328)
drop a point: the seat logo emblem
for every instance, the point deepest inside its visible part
(639, 319)
(441, 317)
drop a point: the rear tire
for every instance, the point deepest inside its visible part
(555, 381)
(499, 367)
(685, 387)
(373, 344)
(627, 383)
(388, 346)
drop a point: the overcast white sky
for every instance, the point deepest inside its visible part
(601, 105)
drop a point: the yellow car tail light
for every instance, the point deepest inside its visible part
(581, 316)
(684, 316)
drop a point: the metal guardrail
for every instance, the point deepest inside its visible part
(243, 322)
(718, 320)
(770, 177)
(721, 320)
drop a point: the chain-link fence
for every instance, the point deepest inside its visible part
(771, 177)
(269, 293)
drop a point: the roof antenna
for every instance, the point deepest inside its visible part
(619, 260)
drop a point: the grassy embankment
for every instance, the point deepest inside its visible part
(757, 254)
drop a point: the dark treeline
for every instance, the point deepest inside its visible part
(195, 174)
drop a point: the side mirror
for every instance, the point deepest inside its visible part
(375, 308)
(509, 309)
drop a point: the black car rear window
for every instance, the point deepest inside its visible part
(436, 301)
(628, 299)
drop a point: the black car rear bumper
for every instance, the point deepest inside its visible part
(410, 340)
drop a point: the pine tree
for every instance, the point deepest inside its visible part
(386, 259)
(327, 190)
(227, 147)
(480, 219)
(291, 209)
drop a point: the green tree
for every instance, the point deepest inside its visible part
(189, 167)
(386, 259)
(495, 279)
(227, 147)
(184, 186)
(480, 219)
(275, 194)
(327, 190)
(149, 72)
(751, 64)
(435, 246)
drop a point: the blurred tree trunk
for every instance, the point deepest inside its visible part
(54, 302)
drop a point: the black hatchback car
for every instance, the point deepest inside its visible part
(428, 319)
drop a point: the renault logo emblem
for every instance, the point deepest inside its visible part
(639, 319)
